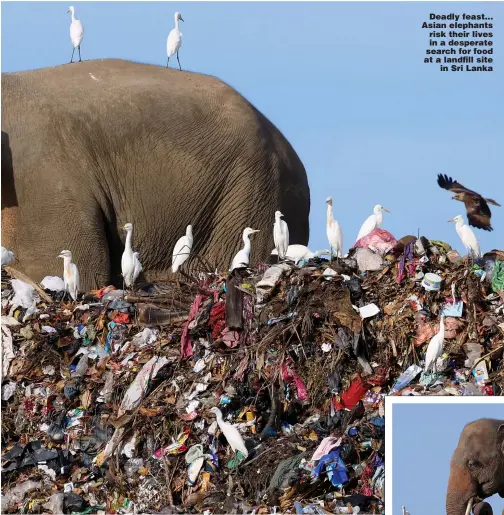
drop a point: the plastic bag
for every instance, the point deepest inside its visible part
(24, 295)
(53, 283)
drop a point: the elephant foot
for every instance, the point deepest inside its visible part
(483, 508)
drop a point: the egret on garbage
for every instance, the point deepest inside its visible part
(372, 222)
(242, 257)
(128, 258)
(182, 249)
(7, 256)
(298, 252)
(467, 236)
(70, 274)
(280, 235)
(137, 268)
(233, 436)
(435, 348)
(174, 41)
(76, 33)
(333, 231)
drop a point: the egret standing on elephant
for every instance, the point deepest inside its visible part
(76, 33)
(174, 41)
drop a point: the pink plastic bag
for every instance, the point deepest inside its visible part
(378, 240)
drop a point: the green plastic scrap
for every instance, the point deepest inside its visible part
(232, 464)
(441, 245)
(498, 276)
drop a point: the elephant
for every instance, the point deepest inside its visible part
(88, 148)
(477, 467)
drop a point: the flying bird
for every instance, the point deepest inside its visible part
(478, 212)
(242, 257)
(182, 249)
(128, 258)
(7, 256)
(372, 222)
(76, 33)
(467, 236)
(174, 41)
(233, 436)
(70, 274)
(280, 235)
(435, 348)
(333, 231)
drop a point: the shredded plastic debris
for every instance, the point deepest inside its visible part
(107, 401)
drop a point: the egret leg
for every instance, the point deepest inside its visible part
(331, 256)
(180, 67)
(79, 55)
(167, 61)
(71, 59)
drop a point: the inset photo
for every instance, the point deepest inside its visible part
(445, 455)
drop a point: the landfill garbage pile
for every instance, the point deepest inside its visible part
(109, 403)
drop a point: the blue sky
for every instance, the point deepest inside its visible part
(345, 82)
(424, 438)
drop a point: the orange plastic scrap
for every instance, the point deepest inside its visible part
(122, 318)
(426, 330)
(103, 291)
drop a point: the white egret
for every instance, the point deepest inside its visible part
(242, 257)
(333, 231)
(435, 348)
(404, 512)
(174, 41)
(233, 436)
(7, 256)
(467, 236)
(128, 259)
(298, 252)
(76, 33)
(138, 266)
(182, 249)
(280, 235)
(372, 222)
(70, 274)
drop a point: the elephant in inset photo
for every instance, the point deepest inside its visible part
(477, 467)
(89, 148)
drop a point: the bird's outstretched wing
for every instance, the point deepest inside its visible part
(448, 183)
(478, 212)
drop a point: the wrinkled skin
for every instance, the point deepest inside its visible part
(143, 144)
(477, 466)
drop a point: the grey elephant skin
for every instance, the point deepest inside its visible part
(477, 465)
(91, 146)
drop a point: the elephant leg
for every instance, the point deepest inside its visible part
(47, 227)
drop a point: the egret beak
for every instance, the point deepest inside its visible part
(452, 220)
(181, 19)
(255, 230)
(68, 11)
(60, 256)
(386, 210)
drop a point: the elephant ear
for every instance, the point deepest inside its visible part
(500, 432)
